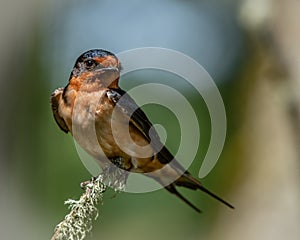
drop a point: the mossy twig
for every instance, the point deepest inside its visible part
(78, 223)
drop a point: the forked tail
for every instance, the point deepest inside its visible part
(190, 182)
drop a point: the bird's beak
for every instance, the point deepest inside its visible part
(109, 62)
(101, 68)
(113, 69)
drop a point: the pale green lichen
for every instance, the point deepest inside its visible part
(78, 223)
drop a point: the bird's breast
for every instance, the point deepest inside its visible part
(90, 118)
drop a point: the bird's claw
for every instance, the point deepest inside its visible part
(84, 184)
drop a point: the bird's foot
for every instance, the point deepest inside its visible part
(84, 184)
(117, 174)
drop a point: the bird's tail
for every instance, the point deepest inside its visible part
(186, 180)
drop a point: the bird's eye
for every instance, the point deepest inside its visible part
(90, 63)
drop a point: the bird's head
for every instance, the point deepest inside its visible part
(95, 59)
(94, 62)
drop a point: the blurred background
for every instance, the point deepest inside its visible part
(249, 47)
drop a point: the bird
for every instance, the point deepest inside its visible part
(92, 105)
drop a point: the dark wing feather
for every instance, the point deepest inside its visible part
(139, 119)
(55, 97)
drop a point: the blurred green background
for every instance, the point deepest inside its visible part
(250, 48)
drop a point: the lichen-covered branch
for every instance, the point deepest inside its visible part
(78, 223)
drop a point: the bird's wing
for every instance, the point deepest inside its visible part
(139, 119)
(55, 97)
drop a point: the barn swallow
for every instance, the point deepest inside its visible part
(87, 104)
